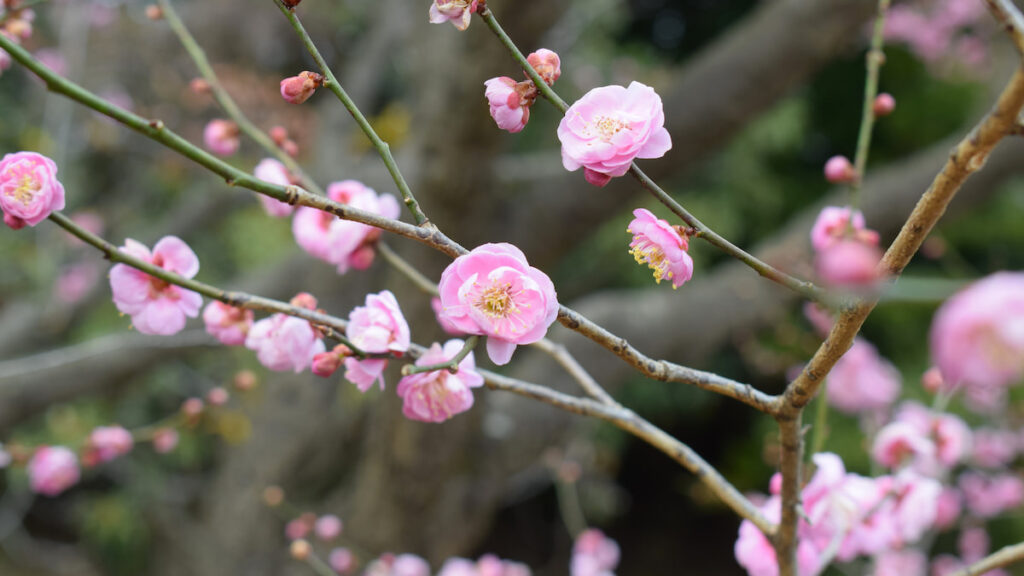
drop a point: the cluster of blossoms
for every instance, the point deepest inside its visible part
(15, 25)
(941, 31)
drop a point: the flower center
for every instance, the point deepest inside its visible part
(497, 301)
(609, 127)
(25, 190)
(646, 252)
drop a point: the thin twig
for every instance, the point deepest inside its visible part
(1000, 559)
(577, 371)
(875, 59)
(227, 103)
(630, 422)
(334, 86)
(412, 274)
(1007, 13)
(802, 287)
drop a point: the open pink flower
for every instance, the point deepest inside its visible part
(899, 443)
(949, 434)
(660, 246)
(270, 170)
(509, 102)
(994, 448)
(377, 327)
(156, 307)
(285, 343)
(29, 189)
(849, 262)
(494, 292)
(977, 337)
(107, 443)
(52, 470)
(344, 243)
(221, 137)
(226, 323)
(458, 12)
(863, 381)
(610, 126)
(439, 395)
(593, 554)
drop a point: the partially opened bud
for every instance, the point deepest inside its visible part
(298, 89)
(547, 64)
(304, 300)
(153, 12)
(221, 137)
(199, 86)
(300, 549)
(217, 396)
(325, 364)
(838, 170)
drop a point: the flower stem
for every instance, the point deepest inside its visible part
(451, 365)
(333, 85)
(875, 59)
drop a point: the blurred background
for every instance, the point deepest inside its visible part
(757, 96)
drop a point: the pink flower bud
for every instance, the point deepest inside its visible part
(547, 64)
(509, 103)
(328, 527)
(192, 407)
(325, 364)
(304, 300)
(109, 442)
(298, 89)
(883, 105)
(932, 380)
(342, 560)
(52, 470)
(199, 86)
(165, 440)
(217, 396)
(245, 380)
(221, 137)
(226, 323)
(297, 528)
(29, 189)
(839, 170)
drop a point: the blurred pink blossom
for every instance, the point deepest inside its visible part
(52, 470)
(863, 381)
(221, 137)
(284, 343)
(270, 170)
(594, 554)
(107, 443)
(227, 323)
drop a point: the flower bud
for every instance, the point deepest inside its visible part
(154, 12)
(298, 89)
(838, 170)
(245, 380)
(304, 300)
(273, 496)
(547, 64)
(217, 396)
(199, 86)
(300, 550)
(932, 380)
(325, 364)
(328, 527)
(221, 137)
(165, 440)
(883, 105)
(342, 560)
(192, 408)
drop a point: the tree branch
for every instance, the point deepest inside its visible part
(1000, 559)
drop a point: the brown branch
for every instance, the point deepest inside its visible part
(1000, 559)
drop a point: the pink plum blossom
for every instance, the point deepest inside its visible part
(298, 89)
(156, 306)
(325, 364)
(88, 220)
(977, 336)
(343, 243)
(849, 262)
(899, 443)
(901, 563)
(458, 12)
(270, 170)
(218, 396)
(883, 105)
(52, 470)
(227, 323)
(987, 496)
(509, 102)
(76, 281)
(284, 342)
(949, 507)
(839, 170)
(594, 554)
(409, 565)
(949, 434)
(458, 567)
(547, 64)
(327, 527)
(442, 320)
(377, 327)
(439, 395)
(863, 381)
(994, 448)
(107, 443)
(973, 543)
(660, 246)
(609, 127)
(221, 137)
(835, 223)
(493, 291)
(29, 189)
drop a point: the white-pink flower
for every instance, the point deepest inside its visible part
(377, 327)
(661, 247)
(899, 443)
(270, 170)
(156, 306)
(458, 12)
(509, 102)
(221, 137)
(849, 262)
(609, 127)
(107, 443)
(493, 291)
(284, 343)
(227, 323)
(29, 189)
(863, 381)
(439, 395)
(594, 554)
(977, 336)
(52, 470)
